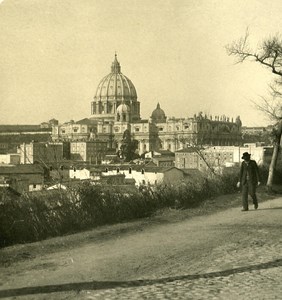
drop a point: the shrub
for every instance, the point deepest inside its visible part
(37, 216)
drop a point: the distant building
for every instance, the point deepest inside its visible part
(187, 158)
(115, 108)
(220, 156)
(38, 152)
(11, 158)
(23, 178)
(257, 134)
(148, 175)
(11, 136)
(4, 148)
(90, 151)
(57, 186)
(161, 158)
(254, 130)
(97, 176)
(163, 161)
(110, 158)
(83, 130)
(84, 173)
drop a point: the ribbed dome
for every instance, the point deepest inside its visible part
(158, 114)
(123, 109)
(115, 85)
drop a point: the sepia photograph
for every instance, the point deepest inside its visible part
(140, 149)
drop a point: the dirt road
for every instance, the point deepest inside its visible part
(156, 259)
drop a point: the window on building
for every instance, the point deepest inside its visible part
(34, 186)
(142, 171)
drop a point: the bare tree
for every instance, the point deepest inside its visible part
(196, 143)
(269, 55)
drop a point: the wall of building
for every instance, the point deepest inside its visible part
(23, 178)
(79, 174)
(35, 187)
(91, 151)
(149, 177)
(219, 156)
(40, 152)
(13, 159)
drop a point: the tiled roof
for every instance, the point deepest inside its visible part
(87, 121)
(149, 168)
(23, 128)
(21, 169)
(161, 158)
(186, 150)
(159, 169)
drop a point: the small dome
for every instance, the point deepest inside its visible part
(158, 115)
(123, 109)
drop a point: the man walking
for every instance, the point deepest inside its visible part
(249, 180)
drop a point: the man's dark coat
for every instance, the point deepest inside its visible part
(249, 172)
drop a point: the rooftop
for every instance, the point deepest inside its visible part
(21, 169)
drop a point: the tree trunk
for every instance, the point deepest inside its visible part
(276, 148)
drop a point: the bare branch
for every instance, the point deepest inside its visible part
(275, 89)
(269, 54)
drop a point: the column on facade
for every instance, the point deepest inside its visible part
(141, 146)
(146, 146)
(93, 108)
(174, 145)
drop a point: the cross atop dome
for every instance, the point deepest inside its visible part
(115, 65)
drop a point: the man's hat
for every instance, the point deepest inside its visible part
(246, 155)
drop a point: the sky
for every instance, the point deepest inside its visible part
(53, 55)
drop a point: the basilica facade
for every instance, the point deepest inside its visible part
(115, 108)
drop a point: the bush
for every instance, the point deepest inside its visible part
(37, 216)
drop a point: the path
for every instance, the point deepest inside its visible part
(230, 254)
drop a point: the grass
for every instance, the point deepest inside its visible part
(35, 217)
(16, 253)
